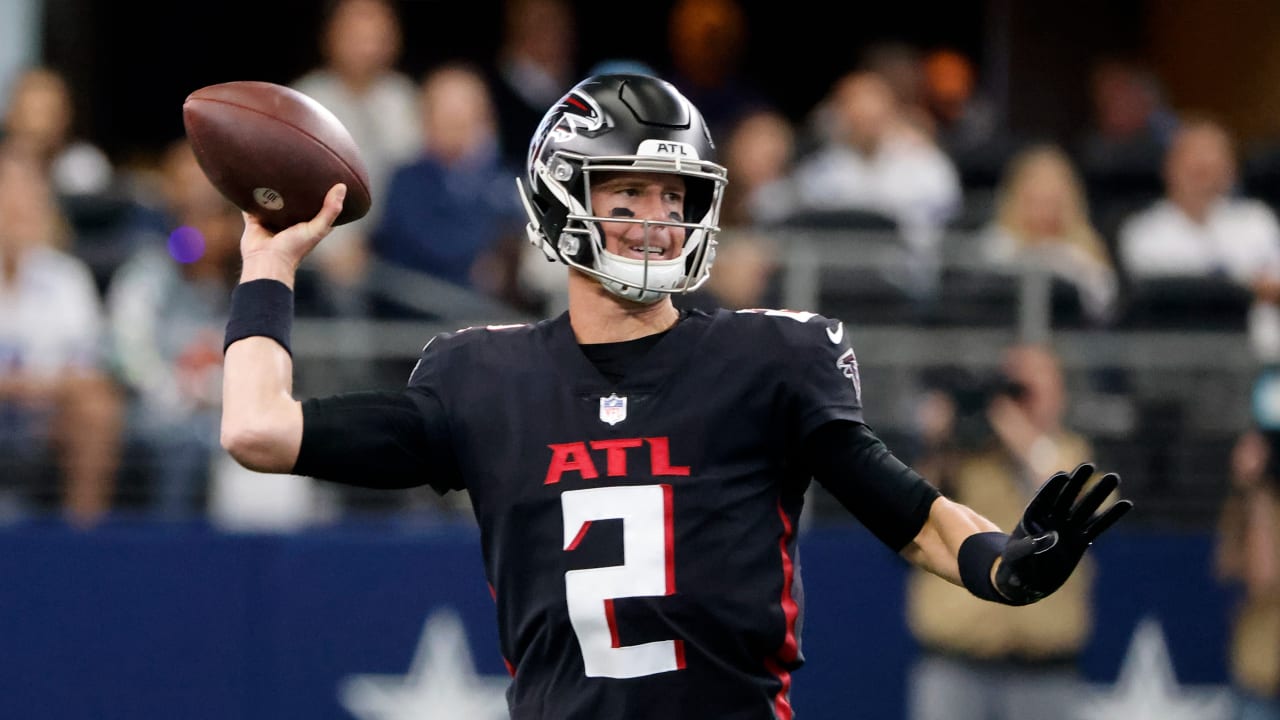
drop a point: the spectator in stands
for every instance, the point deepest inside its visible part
(359, 81)
(746, 263)
(56, 404)
(970, 130)
(898, 64)
(707, 40)
(1248, 554)
(40, 115)
(535, 65)
(963, 120)
(981, 661)
(746, 266)
(453, 214)
(759, 153)
(875, 161)
(901, 64)
(1042, 221)
(1201, 229)
(167, 308)
(1131, 129)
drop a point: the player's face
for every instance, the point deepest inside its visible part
(640, 196)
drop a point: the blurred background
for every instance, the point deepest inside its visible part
(1050, 229)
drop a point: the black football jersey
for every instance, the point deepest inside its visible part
(640, 536)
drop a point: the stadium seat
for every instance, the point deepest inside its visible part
(838, 219)
(1260, 175)
(976, 297)
(1176, 303)
(108, 229)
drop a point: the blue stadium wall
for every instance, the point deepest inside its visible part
(146, 621)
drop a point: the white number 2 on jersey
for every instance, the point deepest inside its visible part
(647, 570)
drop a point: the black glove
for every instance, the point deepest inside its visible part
(1053, 534)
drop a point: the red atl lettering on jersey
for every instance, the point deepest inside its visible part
(616, 454)
(570, 456)
(575, 457)
(660, 458)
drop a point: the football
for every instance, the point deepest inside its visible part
(274, 151)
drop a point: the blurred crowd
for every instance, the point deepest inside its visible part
(114, 278)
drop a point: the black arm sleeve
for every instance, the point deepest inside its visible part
(378, 440)
(885, 495)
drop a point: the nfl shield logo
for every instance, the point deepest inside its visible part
(613, 409)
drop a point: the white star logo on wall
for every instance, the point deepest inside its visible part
(441, 682)
(1148, 689)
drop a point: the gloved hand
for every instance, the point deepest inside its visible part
(1053, 534)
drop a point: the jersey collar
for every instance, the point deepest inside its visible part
(660, 364)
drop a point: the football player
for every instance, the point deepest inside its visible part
(637, 472)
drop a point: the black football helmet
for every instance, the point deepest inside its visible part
(611, 123)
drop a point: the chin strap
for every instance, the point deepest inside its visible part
(640, 280)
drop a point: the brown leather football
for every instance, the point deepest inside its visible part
(274, 151)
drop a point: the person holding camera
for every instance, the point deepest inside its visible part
(984, 661)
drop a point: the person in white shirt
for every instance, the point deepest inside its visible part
(378, 103)
(1200, 229)
(874, 160)
(55, 402)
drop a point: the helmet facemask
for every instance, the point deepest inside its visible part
(619, 123)
(581, 243)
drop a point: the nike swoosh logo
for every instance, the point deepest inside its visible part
(837, 335)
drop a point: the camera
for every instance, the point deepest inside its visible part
(971, 394)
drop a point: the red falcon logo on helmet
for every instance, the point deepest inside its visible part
(578, 113)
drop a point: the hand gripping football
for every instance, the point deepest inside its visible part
(274, 152)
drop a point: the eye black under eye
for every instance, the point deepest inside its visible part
(621, 212)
